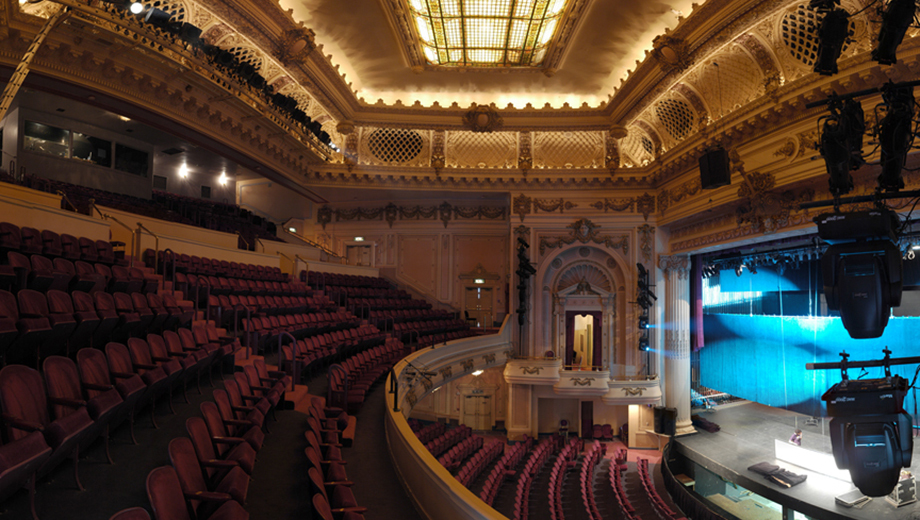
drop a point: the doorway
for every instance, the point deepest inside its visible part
(477, 412)
(587, 419)
(358, 255)
(583, 340)
(478, 306)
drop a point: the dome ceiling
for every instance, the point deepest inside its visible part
(369, 41)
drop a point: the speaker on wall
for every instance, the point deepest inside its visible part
(715, 171)
(669, 421)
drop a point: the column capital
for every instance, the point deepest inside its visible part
(676, 263)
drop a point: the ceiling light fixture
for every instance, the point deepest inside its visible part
(477, 373)
(136, 8)
(183, 171)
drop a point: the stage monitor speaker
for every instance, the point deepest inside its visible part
(714, 169)
(669, 421)
(659, 418)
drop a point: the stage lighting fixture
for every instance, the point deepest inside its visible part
(895, 135)
(157, 17)
(871, 434)
(862, 269)
(895, 21)
(325, 138)
(643, 344)
(257, 81)
(832, 34)
(643, 322)
(136, 8)
(245, 71)
(841, 144)
(226, 58)
(190, 34)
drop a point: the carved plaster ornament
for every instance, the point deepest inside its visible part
(672, 54)
(531, 370)
(634, 391)
(295, 45)
(585, 231)
(483, 118)
(578, 381)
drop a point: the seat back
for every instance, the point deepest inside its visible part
(31, 240)
(157, 346)
(172, 341)
(88, 249)
(321, 507)
(185, 462)
(10, 236)
(22, 397)
(165, 494)
(40, 263)
(93, 368)
(63, 382)
(70, 247)
(8, 306)
(123, 302)
(32, 302)
(51, 243)
(134, 513)
(213, 419)
(201, 440)
(83, 302)
(118, 357)
(104, 301)
(316, 482)
(140, 302)
(139, 351)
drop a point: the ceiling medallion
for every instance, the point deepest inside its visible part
(296, 45)
(672, 54)
(483, 118)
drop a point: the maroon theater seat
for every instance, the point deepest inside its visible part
(171, 316)
(196, 361)
(10, 237)
(157, 316)
(60, 303)
(121, 367)
(32, 330)
(70, 247)
(33, 304)
(123, 281)
(98, 382)
(124, 304)
(61, 279)
(19, 464)
(322, 509)
(168, 501)
(150, 370)
(105, 252)
(222, 421)
(30, 241)
(108, 319)
(128, 322)
(51, 243)
(134, 513)
(232, 486)
(88, 249)
(25, 277)
(185, 364)
(25, 410)
(84, 275)
(65, 392)
(235, 452)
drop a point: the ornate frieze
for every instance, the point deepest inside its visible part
(585, 231)
(522, 205)
(672, 54)
(483, 118)
(679, 264)
(581, 381)
(766, 210)
(392, 213)
(633, 391)
(467, 364)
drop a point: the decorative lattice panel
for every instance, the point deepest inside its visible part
(584, 273)
(394, 146)
(480, 150)
(637, 147)
(176, 9)
(736, 81)
(569, 149)
(798, 31)
(247, 55)
(676, 116)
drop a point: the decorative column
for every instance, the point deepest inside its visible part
(676, 271)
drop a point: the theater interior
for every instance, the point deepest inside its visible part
(459, 259)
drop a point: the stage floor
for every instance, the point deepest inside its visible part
(747, 435)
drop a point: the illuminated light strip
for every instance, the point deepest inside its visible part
(818, 462)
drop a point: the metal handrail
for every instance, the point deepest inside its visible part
(279, 253)
(259, 241)
(281, 336)
(243, 239)
(156, 244)
(65, 197)
(105, 216)
(165, 267)
(394, 389)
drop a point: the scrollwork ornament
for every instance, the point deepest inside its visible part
(679, 264)
(483, 118)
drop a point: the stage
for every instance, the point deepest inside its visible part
(748, 433)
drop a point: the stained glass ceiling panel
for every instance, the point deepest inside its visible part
(486, 33)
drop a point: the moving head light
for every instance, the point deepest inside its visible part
(861, 269)
(870, 431)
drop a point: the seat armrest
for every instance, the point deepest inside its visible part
(73, 403)
(164, 359)
(209, 496)
(143, 366)
(237, 422)
(123, 375)
(217, 463)
(228, 440)
(94, 386)
(20, 424)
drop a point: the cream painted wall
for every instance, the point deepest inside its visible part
(277, 203)
(445, 404)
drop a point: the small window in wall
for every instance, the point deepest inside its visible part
(159, 182)
(130, 160)
(205, 192)
(46, 139)
(92, 149)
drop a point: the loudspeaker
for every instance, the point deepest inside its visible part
(659, 418)
(714, 169)
(669, 421)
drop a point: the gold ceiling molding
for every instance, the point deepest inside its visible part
(672, 54)
(391, 213)
(644, 204)
(295, 45)
(523, 205)
(483, 118)
(585, 232)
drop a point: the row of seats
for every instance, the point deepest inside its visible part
(381, 318)
(460, 451)
(332, 280)
(616, 484)
(448, 439)
(602, 432)
(661, 507)
(167, 261)
(355, 294)
(310, 353)
(262, 334)
(384, 304)
(504, 469)
(535, 462)
(350, 381)
(41, 273)
(586, 478)
(30, 241)
(330, 487)
(480, 460)
(565, 460)
(431, 431)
